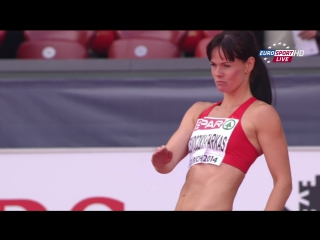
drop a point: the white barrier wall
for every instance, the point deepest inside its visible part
(124, 179)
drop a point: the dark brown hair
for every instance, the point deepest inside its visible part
(242, 45)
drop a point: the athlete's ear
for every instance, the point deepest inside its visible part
(250, 64)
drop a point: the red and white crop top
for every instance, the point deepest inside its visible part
(217, 140)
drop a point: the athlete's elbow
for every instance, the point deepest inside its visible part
(289, 187)
(285, 185)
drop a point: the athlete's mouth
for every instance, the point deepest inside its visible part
(221, 82)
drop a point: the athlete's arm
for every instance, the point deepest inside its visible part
(168, 156)
(272, 140)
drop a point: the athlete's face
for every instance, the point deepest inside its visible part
(227, 75)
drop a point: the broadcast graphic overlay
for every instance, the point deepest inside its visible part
(280, 52)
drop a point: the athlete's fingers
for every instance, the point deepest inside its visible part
(160, 148)
(159, 153)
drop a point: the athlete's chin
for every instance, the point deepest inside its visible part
(222, 86)
(223, 89)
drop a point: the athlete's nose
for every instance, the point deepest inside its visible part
(218, 72)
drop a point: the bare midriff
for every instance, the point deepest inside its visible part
(210, 188)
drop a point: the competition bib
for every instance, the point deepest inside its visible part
(209, 140)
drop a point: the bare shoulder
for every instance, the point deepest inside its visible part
(197, 108)
(261, 109)
(264, 115)
(202, 105)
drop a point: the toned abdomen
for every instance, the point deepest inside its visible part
(210, 187)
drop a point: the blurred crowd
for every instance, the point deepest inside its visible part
(67, 44)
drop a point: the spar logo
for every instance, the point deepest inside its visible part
(209, 123)
(310, 196)
(284, 54)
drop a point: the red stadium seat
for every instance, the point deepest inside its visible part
(190, 42)
(2, 35)
(180, 36)
(143, 48)
(176, 36)
(200, 51)
(90, 36)
(211, 33)
(102, 40)
(82, 36)
(51, 49)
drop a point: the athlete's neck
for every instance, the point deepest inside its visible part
(235, 99)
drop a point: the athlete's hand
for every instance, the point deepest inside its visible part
(161, 157)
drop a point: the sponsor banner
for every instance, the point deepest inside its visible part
(124, 179)
(90, 113)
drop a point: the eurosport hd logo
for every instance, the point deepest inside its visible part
(276, 55)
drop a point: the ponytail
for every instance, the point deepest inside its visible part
(260, 82)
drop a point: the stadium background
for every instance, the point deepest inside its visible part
(80, 132)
